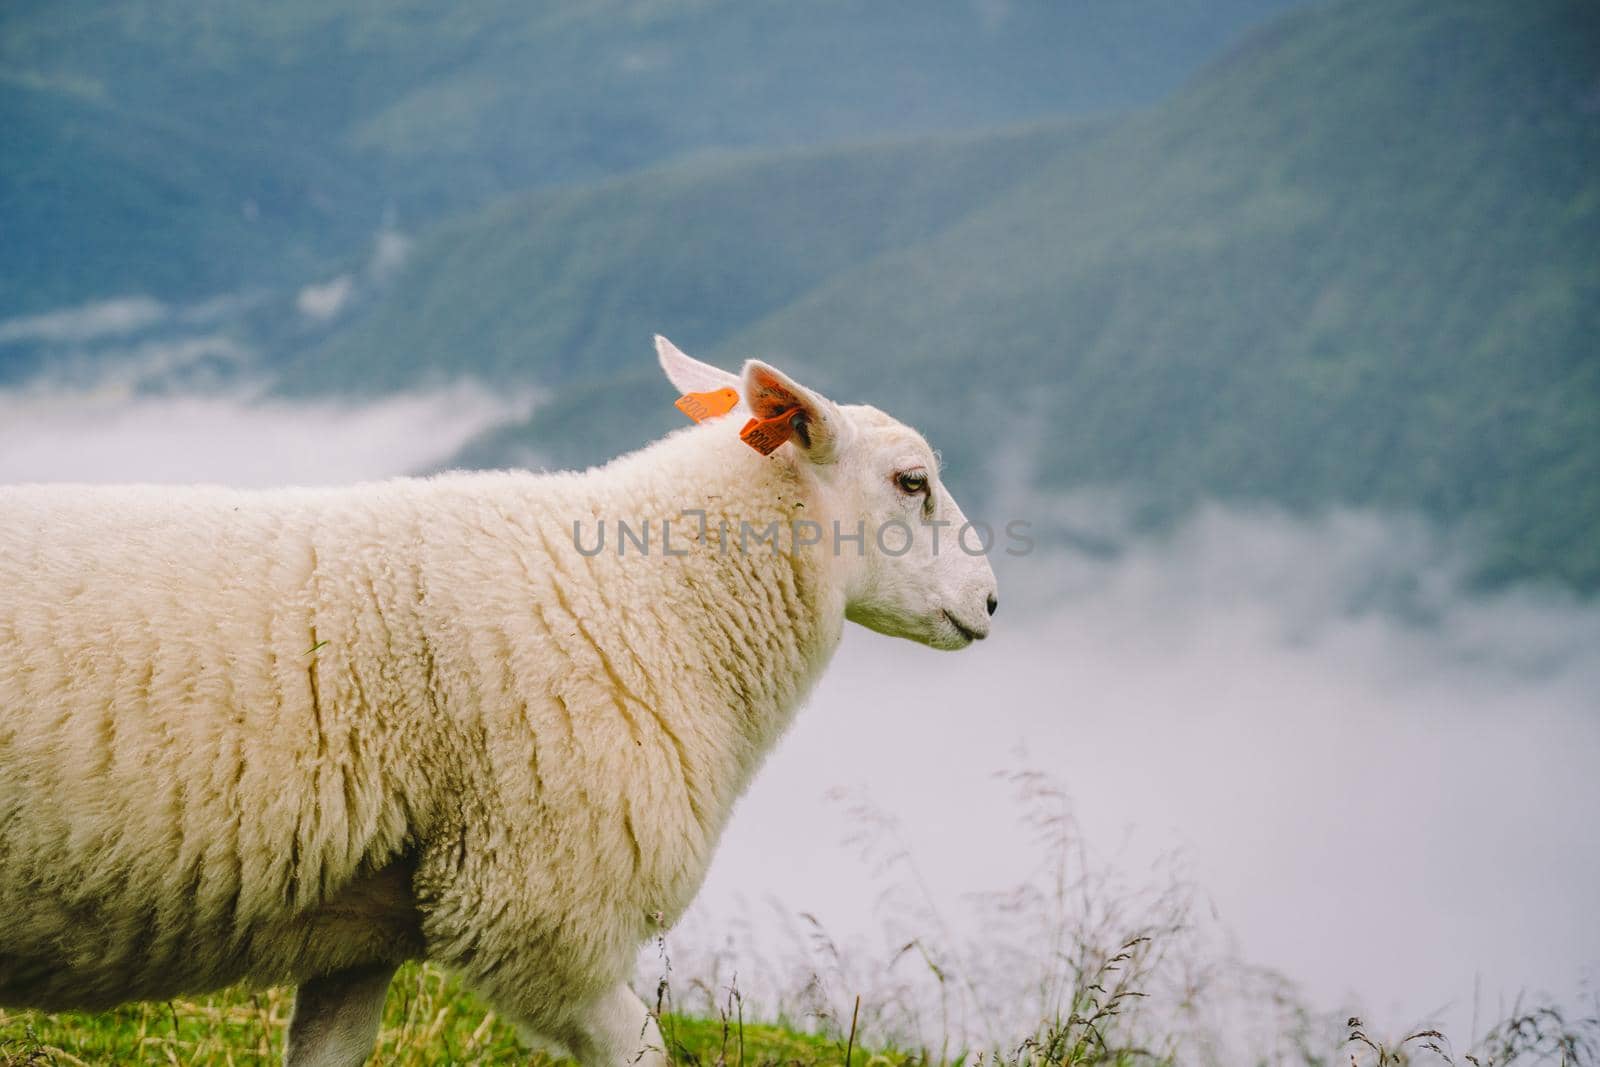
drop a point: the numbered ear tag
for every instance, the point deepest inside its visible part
(703, 406)
(765, 435)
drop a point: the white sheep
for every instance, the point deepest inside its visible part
(302, 736)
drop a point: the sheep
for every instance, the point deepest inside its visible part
(302, 736)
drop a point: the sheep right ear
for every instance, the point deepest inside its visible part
(688, 373)
(785, 411)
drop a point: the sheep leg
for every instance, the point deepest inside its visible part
(336, 1018)
(615, 1030)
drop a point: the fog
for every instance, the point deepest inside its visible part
(101, 434)
(1385, 787)
(86, 322)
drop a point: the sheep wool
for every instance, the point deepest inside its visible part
(301, 736)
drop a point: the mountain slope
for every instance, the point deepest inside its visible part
(137, 131)
(1353, 262)
(566, 285)
(97, 199)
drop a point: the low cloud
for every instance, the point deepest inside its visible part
(86, 322)
(323, 301)
(1387, 787)
(116, 371)
(104, 435)
(390, 251)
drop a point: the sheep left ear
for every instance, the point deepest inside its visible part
(688, 373)
(818, 427)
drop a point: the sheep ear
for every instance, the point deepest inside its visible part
(818, 427)
(688, 373)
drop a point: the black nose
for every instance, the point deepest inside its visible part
(994, 602)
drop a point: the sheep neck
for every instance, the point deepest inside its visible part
(752, 626)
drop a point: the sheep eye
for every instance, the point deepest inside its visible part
(912, 482)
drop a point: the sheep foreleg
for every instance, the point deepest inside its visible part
(615, 1030)
(336, 1018)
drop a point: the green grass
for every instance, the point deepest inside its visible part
(428, 1019)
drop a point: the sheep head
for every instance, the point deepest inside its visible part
(914, 572)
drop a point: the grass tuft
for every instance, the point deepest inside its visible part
(1076, 968)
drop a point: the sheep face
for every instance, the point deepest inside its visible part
(920, 574)
(906, 560)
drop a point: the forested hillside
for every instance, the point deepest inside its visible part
(176, 149)
(1352, 263)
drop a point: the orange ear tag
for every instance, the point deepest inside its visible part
(765, 435)
(703, 406)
